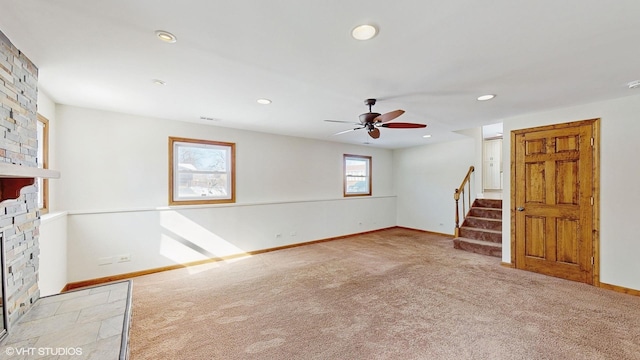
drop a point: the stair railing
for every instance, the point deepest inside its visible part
(460, 193)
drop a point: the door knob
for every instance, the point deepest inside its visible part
(520, 209)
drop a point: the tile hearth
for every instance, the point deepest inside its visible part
(91, 323)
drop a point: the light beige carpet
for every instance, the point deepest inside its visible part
(393, 294)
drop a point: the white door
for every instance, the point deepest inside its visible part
(493, 164)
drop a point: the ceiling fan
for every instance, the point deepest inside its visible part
(372, 121)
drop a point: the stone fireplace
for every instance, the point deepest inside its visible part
(19, 212)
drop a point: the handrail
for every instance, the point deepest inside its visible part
(456, 197)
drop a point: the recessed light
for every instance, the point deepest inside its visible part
(486, 97)
(166, 36)
(264, 101)
(426, 136)
(159, 82)
(364, 32)
(634, 84)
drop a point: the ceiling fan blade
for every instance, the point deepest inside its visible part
(343, 122)
(388, 116)
(375, 133)
(346, 131)
(400, 125)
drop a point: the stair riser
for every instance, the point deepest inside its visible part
(486, 213)
(480, 235)
(477, 248)
(481, 231)
(483, 223)
(488, 203)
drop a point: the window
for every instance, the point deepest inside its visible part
(201, 172)
(357, 175)
(43, 163)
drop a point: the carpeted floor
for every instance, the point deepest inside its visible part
(392, 294)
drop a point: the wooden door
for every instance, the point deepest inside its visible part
(553, 198)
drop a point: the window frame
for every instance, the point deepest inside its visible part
(173, 200)
(43, 163)
(368, 175)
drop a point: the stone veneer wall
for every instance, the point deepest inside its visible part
(20, 218)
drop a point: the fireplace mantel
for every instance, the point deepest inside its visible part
(15, 177)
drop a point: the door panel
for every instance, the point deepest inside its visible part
(567, 143)
(567, 179)
(553, 169)
(535, 146)
(567, 235)
(536, 230)
(535, 178)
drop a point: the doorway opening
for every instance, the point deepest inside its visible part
(492, 178)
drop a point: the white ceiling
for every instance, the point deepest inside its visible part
(430, 58)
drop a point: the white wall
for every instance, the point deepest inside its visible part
(619, 190)
(163, 237)
(115, 186)
(477, 135)
(118, 215)
(426, 178)
(53, 254)
(53, 227)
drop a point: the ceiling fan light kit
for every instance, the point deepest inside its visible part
(372, 121)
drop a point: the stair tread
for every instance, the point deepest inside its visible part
(480, 242)
(486, 208)
(483, 218)
(481, 229)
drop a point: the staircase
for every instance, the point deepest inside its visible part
(481, 231)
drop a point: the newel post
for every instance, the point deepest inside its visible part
(456, 197)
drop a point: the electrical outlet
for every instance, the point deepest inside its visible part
(278, 235)
(124, 258)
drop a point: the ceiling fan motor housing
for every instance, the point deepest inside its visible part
(368, 117)
(372, 121)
